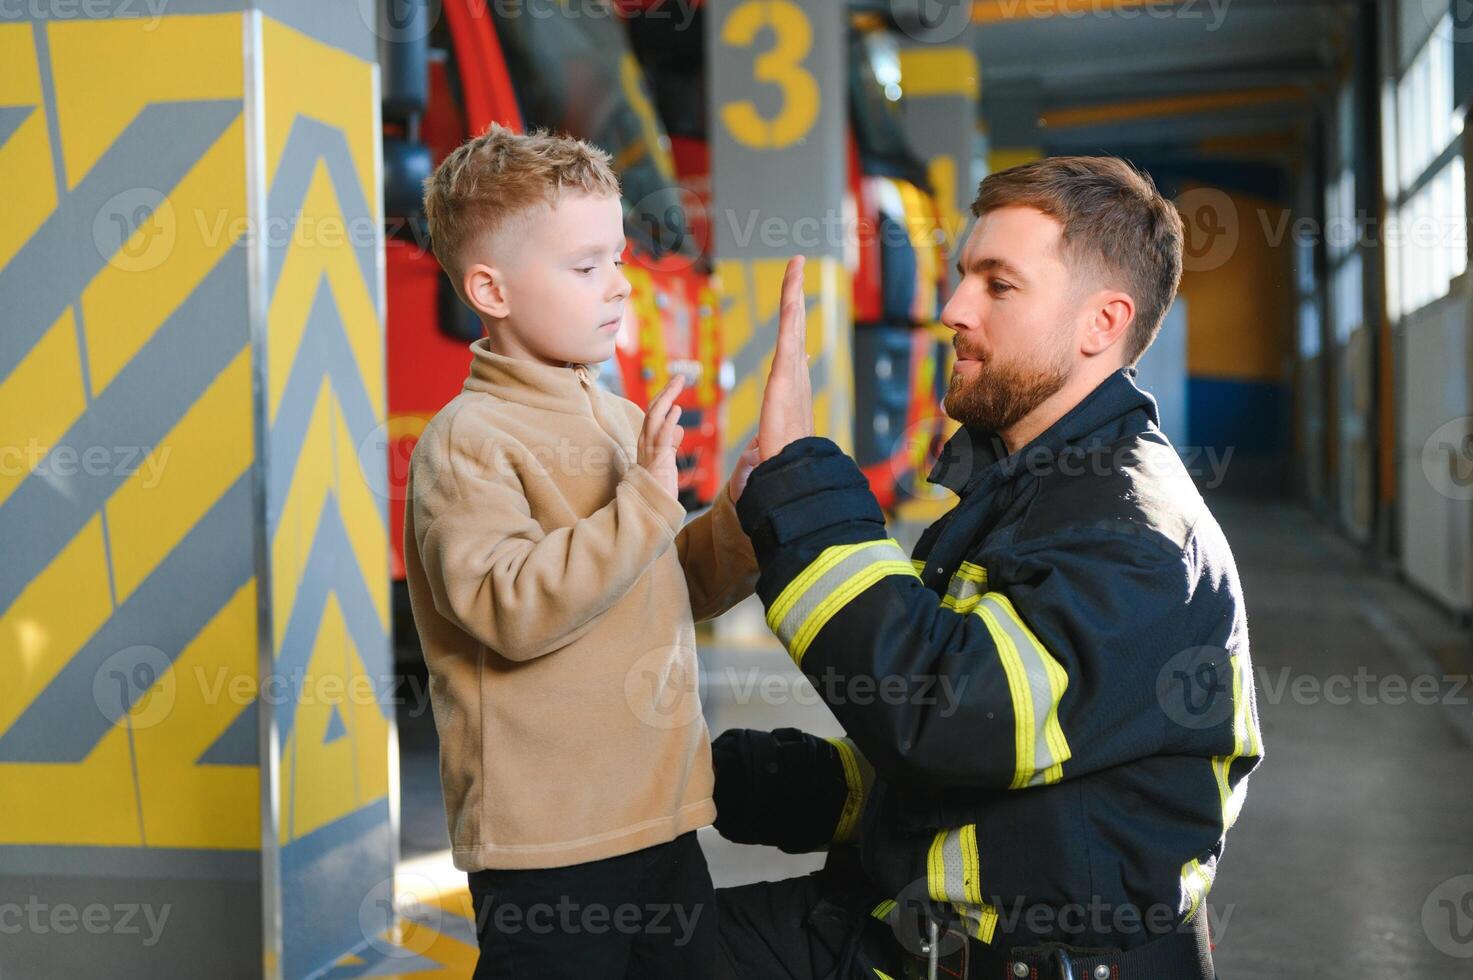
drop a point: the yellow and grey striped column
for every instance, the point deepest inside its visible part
(778, 164)
(194, 597)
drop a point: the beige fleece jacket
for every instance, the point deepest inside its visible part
(555, 593)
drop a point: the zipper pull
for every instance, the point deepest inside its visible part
(583, 376)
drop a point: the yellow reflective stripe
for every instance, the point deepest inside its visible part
(858, 777)
(936, 868)
(881, 973)
(812, 598)
(963, 605)
(985, 921)
(972, 573)
(840, 597)
(1196, 879)
(805, 579)
(883, 910)
(1018, 687)
(954, 876)
(920, 564)
(1037, 683)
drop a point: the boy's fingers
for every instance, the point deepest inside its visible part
(660, 405)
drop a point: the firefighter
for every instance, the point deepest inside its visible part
(1048, 706)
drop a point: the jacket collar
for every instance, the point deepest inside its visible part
(972, 453)
(531, 383)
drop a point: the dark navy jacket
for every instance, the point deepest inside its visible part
(1049, 705)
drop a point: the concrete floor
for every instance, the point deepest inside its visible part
(1347, 859)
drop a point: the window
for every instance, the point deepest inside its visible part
(1426, 242)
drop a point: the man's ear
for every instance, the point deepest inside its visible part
(484, 287)
(1111, 314)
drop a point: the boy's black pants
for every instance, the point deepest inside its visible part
(651, 913)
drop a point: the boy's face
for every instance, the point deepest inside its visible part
(550, 283)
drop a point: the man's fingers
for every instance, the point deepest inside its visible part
(791, 312)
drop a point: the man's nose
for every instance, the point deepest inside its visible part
(958, 314)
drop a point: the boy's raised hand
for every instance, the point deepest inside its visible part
(787, 402)
(660, 436)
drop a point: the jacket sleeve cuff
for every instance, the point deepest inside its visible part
(805, 498)
(654, 496)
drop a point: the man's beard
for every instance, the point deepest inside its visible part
(1002, 395)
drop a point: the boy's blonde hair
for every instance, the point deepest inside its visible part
(492, 177)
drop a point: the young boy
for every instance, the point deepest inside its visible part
(555, 589)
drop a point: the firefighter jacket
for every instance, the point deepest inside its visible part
(1048, 706)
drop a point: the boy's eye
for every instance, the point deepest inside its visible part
(585, 269)
(618, 263)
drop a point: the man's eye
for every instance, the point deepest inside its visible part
(998, 286)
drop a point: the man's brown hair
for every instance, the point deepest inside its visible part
(492, 177)
(1116, 226)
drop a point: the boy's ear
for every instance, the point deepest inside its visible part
(485, 290)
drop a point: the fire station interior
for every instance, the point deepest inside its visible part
(223, 332)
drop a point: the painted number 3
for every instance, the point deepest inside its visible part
(782, 66)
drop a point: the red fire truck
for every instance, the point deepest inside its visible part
(450, 70)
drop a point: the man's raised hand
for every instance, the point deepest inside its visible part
(787, 402)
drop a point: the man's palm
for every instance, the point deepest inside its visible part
(787, 402)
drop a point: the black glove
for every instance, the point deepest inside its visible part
(784, 788)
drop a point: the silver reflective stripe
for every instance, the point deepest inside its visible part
(954, 863)
(889, 558)
(961, 590)
(1040, 688)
